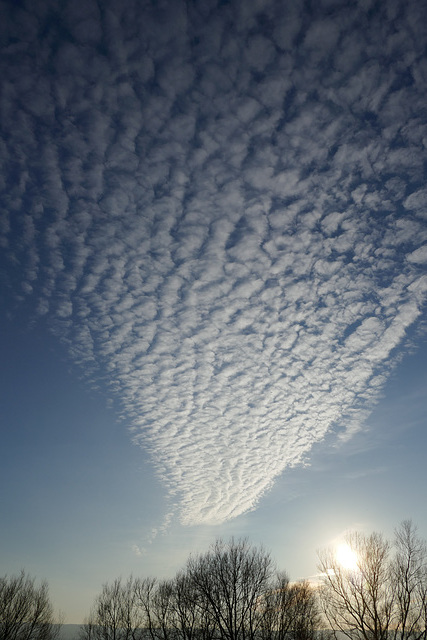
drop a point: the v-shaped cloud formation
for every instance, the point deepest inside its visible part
(221, 209)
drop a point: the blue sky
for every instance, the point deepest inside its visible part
(213, 281)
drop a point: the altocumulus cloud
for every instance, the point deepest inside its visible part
(220, 208)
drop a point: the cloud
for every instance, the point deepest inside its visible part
(138, 551)
(419, 255)
(222, 218)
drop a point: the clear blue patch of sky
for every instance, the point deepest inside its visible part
(74, 490)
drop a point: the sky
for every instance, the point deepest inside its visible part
(213, 281)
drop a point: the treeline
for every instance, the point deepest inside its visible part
(26, 612)
(233, 592)
(384, 595)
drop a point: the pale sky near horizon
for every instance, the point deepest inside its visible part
(213, 225)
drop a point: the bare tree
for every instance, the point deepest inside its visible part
(359, 602)
(116, 614)
(409, 573)
(26, 612)
(289, 610)
(272, 607)
(303, 611)
(229, 580)
(161, 615)
(88, 630)
(189, 618)
(386, 594)
(145, 594)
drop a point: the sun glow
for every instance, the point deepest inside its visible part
(346, 557)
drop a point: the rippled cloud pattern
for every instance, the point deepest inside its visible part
(221, 209)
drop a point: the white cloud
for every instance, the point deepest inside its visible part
(418, 256)
(225, 248)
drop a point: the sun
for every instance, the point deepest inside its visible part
(346, 557)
